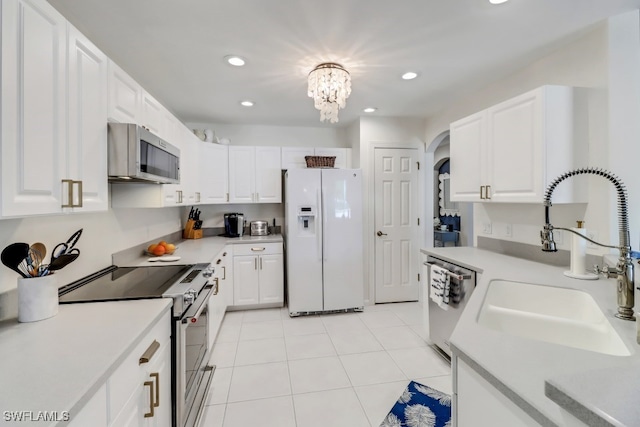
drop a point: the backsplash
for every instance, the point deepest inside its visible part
(561, 258)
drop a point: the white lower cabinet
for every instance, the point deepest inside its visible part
(219, 301)
(258, 271)
(138, 393)
(478, 403)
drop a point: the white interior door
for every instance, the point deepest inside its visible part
(396, 221)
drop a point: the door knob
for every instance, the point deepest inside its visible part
(380, 234)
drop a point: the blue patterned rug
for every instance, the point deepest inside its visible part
(420, 406)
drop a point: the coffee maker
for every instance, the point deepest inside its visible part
(233, 224)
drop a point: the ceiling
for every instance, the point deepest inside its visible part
(175, 49)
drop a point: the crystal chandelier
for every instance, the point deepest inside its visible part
(329, 86)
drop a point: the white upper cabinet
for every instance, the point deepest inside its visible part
(268, 175)
(339, 153)
(125, 96)
(512, 151)
(214, 173)
(255, 175)
(47, 128)
(87, 154)
(293, 157)
(152, 115)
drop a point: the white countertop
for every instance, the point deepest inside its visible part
(58, 364)
(193, 251)
(522, 368)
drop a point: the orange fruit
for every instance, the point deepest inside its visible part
(162, 243)
(170, 248)
(159, 250)
(151, 248)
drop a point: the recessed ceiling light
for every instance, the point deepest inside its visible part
(498, 1)
(235, 60)
(410, 75)
(369, 110)
(247, 103)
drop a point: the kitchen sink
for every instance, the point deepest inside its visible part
(561, 316)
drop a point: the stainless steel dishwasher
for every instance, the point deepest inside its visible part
(443, 321)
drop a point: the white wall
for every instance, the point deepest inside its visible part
(277, 135)
(103, 234)
(610, 51)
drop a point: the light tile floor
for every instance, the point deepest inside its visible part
(343, 369)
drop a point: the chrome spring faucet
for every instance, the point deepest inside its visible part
(625, 274)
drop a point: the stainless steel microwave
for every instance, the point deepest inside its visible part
(137, 155)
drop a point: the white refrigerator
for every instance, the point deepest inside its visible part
(324, 240)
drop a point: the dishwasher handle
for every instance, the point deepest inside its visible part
(451, 273)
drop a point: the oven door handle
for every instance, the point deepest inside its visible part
(198, 305)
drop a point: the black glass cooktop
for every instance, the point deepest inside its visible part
(120, 283)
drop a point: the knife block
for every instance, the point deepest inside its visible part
(189, 232)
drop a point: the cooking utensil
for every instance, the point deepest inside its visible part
(37, 252)
(13, 255)
(62, 261)
(67, 247)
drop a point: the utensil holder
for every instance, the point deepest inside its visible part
(37, 298)
(189, 232)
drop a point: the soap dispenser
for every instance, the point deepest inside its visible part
(579, 255)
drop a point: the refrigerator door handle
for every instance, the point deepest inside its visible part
(319, 226)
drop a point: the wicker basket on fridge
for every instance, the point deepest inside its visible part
(320, 161)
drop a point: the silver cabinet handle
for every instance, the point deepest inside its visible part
(216, 286)
(260, 263)
(481, 192)
(487, 192)
(227, 197)
(224, 272)
(255, 263)
(197, 197)
(257, 249)
(380, 234)
(257, 197)
(149, 352)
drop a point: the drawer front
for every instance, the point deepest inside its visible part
(130, 375)
(257, 249)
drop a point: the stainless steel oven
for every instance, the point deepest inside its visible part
(190, 287)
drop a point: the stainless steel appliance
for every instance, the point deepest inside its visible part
(259, 228)
(135, 155)
(443, 322)
(234, 224)
(190, 287)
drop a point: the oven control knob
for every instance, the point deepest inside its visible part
(208, 272)
(189, 297)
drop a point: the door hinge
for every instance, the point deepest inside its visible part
(418, 277)
(418, 165)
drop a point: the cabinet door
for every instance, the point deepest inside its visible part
(245, 280)
(214, 173)
(87, 141)
(226, 279)
(152, 114)
(125, 96)
(468, 154)
(159, 374)
(268, 175)
(339, 153)
(242, 167)
(293, 157)
(189, 168)
(271, 278)
(515, 153)
(33, 107)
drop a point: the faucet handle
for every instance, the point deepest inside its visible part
(605, 270)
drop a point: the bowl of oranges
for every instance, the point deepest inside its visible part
(161, 248)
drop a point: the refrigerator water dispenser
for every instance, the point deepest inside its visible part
(306, 220)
